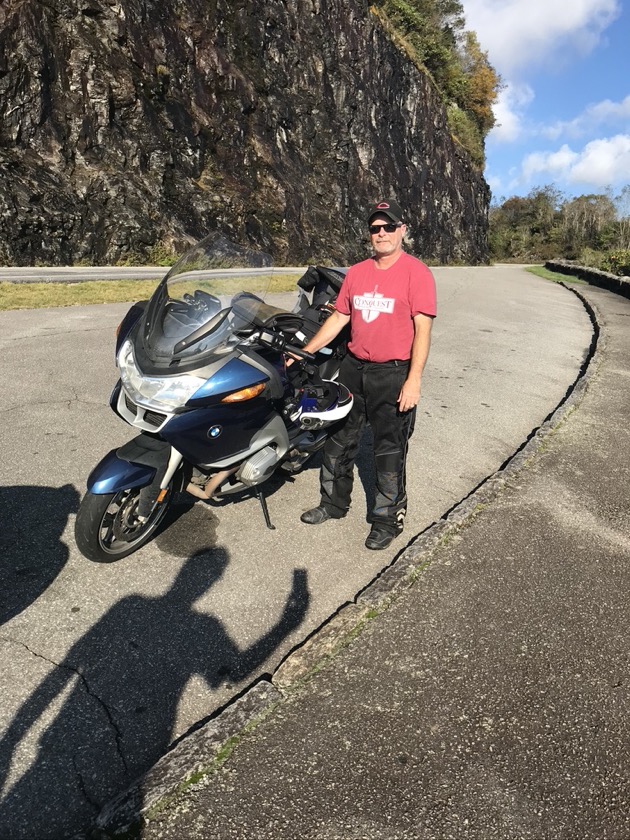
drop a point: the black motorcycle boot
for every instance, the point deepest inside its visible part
(380, 537)
(319, 514)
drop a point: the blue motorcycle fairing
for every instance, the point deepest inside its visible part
(128, 322)
(113, 474)
(233, 376)
(188, 432)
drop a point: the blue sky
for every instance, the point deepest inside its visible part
(564, 112)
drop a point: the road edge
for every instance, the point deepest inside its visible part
(206, 748)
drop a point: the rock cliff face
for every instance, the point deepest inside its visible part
(131, 124)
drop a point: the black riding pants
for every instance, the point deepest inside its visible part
(375, 388)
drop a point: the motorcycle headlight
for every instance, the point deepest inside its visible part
(158, 392)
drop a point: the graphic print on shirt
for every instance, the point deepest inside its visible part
(371, 304)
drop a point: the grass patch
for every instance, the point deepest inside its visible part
(44, 295)
(214, 765)
(555, 276)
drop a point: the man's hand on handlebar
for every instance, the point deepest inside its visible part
(279, 342)
(292, 354)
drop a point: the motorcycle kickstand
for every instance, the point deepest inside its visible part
(265, 509)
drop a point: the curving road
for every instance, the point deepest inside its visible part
(104, 666)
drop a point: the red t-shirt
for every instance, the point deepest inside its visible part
(382, 305)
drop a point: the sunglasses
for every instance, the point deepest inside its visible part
(388, 228)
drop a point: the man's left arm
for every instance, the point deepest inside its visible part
(409, 396)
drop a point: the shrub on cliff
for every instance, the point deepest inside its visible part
(432, 33)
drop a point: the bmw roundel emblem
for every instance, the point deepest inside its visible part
(214, 431)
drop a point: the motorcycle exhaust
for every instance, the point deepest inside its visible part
(207, 492)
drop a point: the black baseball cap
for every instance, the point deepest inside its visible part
(388, 208)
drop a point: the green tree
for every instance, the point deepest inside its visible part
(482, 84)
(622, 208)
(588, 222)
(592, 229)
(527, 228)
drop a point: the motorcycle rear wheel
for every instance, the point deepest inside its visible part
(106, 528)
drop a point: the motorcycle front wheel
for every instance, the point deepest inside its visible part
(107, 527)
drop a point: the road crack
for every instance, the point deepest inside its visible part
(72, 400)
(88, 690)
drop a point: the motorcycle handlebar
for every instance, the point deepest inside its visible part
(279, 342)
(301, 354)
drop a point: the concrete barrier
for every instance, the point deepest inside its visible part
(604, 279)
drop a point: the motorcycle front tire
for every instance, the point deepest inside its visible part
(106, 529)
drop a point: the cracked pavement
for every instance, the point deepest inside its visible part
(104, 666)
(488, 699)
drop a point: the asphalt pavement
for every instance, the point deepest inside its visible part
(105, 667)
(478, 689)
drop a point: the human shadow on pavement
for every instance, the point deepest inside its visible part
(106, 713)
(31, 551)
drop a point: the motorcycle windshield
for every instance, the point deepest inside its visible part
(212, 298)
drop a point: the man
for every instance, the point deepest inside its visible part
(389, 301)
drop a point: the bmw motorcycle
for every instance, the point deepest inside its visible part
(205, 381)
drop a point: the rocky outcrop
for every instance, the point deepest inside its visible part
(129, 125)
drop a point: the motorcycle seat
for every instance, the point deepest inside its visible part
(264, 315)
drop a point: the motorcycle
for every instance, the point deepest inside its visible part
(204, 378)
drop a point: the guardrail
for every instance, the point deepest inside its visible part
(619, 285)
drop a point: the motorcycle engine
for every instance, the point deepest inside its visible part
(258, 467)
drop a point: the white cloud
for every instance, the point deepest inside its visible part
(554, 164)
(509, 111)
(604, 162)
(600, 164)
(519, 34)
(606, 113)
(523, 38)
(495, 183)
